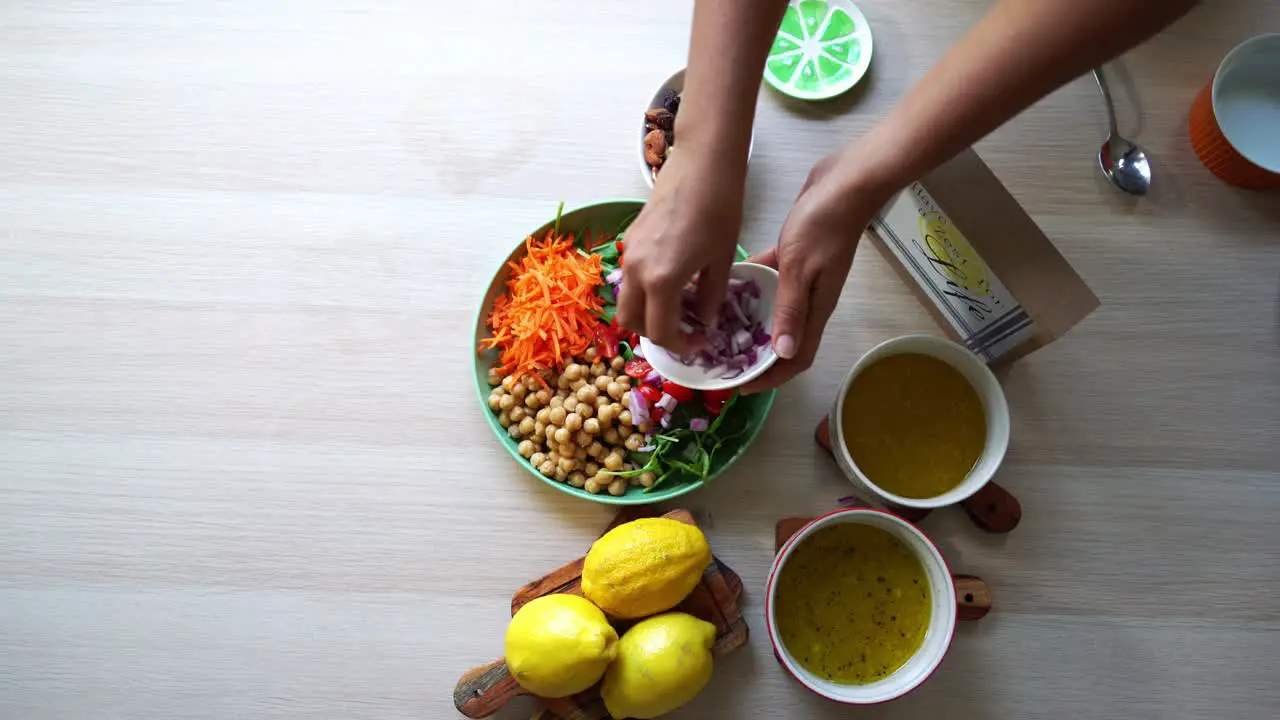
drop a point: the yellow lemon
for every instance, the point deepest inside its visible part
(559, 645)
(644, 567)
(662, 663)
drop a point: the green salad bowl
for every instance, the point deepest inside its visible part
(750, 411)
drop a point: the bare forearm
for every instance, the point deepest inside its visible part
(731, 39)
(1019, 52)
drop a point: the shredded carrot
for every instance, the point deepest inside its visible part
(549, 312)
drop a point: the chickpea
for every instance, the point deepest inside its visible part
(573, 421)
(525, 448)
(624, 418)
(561, 475)
(615, 390)
(618, 363)
(583, 438)
(508, 382)
(601, 402)
(568, 450)
(563, 382)
(507, 402)
(647, 478)
(595, 449)
(645, 427)
(542, 415)
(557, 401)
(634, 442)
(557, 416)
(597, 368)
(625, 399)
(626, 431)
(527, 426)
(495, 377)
(590, 354)
(514, 432)
(562, 435)
(553, 456)
(606, 414)
(602, 382)
(586, 410)
(592, 486)
(618, 486)
(591, 469)
(504, 419)
(537, 458)
(543, 395)
(518, 392)
(571, 403)
(565, 464)
(577, 479)
(574, 371)
(550, 434)
(495, 401)
(580, 455)
(591, 426)
(547, 468)
(613, 461)
(532, 401)
(530, 382)
(611, 436)
(577, 385)
(516, 413)
(539, 429)
(586, 393)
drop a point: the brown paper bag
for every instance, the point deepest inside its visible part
(978, 262)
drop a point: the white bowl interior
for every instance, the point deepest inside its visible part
(697, 377)
(995, 407)
(1245, 101)
(937, 638)
(675, 83)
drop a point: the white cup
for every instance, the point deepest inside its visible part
(995, 411)
(937, 637)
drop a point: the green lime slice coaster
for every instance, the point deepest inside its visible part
(822, 49)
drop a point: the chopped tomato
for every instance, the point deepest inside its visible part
(720, 396)
(607, 342)
(650, 393)
(679, 392)
(713, 406)
(621, 247)
(638, 368)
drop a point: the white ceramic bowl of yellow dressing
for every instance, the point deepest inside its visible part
(942, 423)
(908, 666)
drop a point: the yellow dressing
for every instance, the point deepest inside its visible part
(852, 603)
(913, 424)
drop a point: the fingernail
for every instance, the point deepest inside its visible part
(786, 347)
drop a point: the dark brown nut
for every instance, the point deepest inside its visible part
(655, 147)
(659, 119)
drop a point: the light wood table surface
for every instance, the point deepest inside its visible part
(243, 471)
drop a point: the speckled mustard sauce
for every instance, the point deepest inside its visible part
(852, 603)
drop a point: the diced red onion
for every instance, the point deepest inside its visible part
(614, 277)
(646, 448)
(667, 403)
(699, 424)
(665, 421)
(639, 408)
(734, 337)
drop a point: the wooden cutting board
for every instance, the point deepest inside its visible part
(482, 691)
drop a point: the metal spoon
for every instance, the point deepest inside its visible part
(1122, 161)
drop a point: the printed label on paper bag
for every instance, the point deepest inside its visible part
(981, 311)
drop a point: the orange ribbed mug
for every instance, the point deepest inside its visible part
(1235, 120)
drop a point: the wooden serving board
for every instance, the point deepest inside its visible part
(482, 691)
(992, 508)
(973, 595)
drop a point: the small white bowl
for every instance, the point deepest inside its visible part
(937, 637)
(995, 410)
(696, 377)
(675, 84)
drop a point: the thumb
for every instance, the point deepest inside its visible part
(791, 308)
(768, 257)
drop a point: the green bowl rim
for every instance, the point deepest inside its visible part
(640, 498)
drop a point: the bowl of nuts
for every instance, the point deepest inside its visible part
(658, 134)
